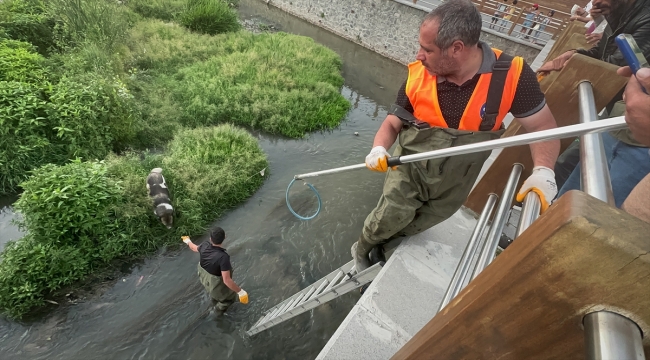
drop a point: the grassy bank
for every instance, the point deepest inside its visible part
(280, 83)
(103, 78)
(87, 87)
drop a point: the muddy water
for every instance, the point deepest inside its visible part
(159, 311)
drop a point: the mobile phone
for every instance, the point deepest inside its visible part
(632, 53)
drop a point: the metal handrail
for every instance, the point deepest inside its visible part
(595, 178)
(500, 217)
(457, 281)
(607, 335)
(611, 336)
(530, 210)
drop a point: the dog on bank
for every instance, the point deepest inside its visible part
(159, 193)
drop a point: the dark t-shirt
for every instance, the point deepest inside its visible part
(214, 259)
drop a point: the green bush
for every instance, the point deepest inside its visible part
(30, 270)
(68, 212)
(28, 20)
(92, 116)
(86, 116)
(83, 215)
(19, 62)
(166, 10)
(210, 17)
(69, 205)
(24, 133)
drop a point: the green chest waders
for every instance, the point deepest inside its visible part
(419, 195)
(218, 291)
(422, 194)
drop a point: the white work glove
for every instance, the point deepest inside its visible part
(243, 296)
(542, 182)
(377, 160)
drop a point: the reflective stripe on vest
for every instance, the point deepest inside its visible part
(422, 91)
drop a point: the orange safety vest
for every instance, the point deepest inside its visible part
(422, 91)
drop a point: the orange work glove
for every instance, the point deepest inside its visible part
(377, 160)
(243, 296)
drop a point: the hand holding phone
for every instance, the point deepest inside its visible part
(632, 53)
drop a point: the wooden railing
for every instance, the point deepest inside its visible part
(515, 25)
(580, 257)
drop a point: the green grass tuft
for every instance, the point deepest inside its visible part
(166, 10)
(209, 17)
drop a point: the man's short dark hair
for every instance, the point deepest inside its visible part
(217, 235)
(457, 20)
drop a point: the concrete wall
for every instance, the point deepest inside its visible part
(387, 27)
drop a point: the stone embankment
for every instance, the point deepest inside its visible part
(387, 27)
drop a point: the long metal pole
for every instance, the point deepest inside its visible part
(607, 335)
(593, 162)
(523, 139)
(611, 336)
(500, 217)
(529, 212)
(470, 251)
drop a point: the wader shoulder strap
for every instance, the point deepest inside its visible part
(495, 91)
(407, 118)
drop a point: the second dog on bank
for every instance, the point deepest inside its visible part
(160, 195)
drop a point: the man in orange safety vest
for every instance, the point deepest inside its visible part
(457, 92)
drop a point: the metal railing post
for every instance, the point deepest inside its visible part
(456, 283)
(594, 170)
(611, 336)
(607, 335)
(499, 221)
(529, 212)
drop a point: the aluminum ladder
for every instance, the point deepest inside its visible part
(337, 283)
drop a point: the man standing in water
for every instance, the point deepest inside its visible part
(215, 270)
(457, 93)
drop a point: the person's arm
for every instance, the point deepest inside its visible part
(543, 153)
(542, 179)
(637, 104)
(377, 159)
(556, 64)
(388, 131)
(594, 38)
(584, 19)
(190, 244)
(225, 276)
(530, 109)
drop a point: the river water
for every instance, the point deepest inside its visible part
(159, 310)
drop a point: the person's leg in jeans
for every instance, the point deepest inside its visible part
(566, 162)
(627, 166)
